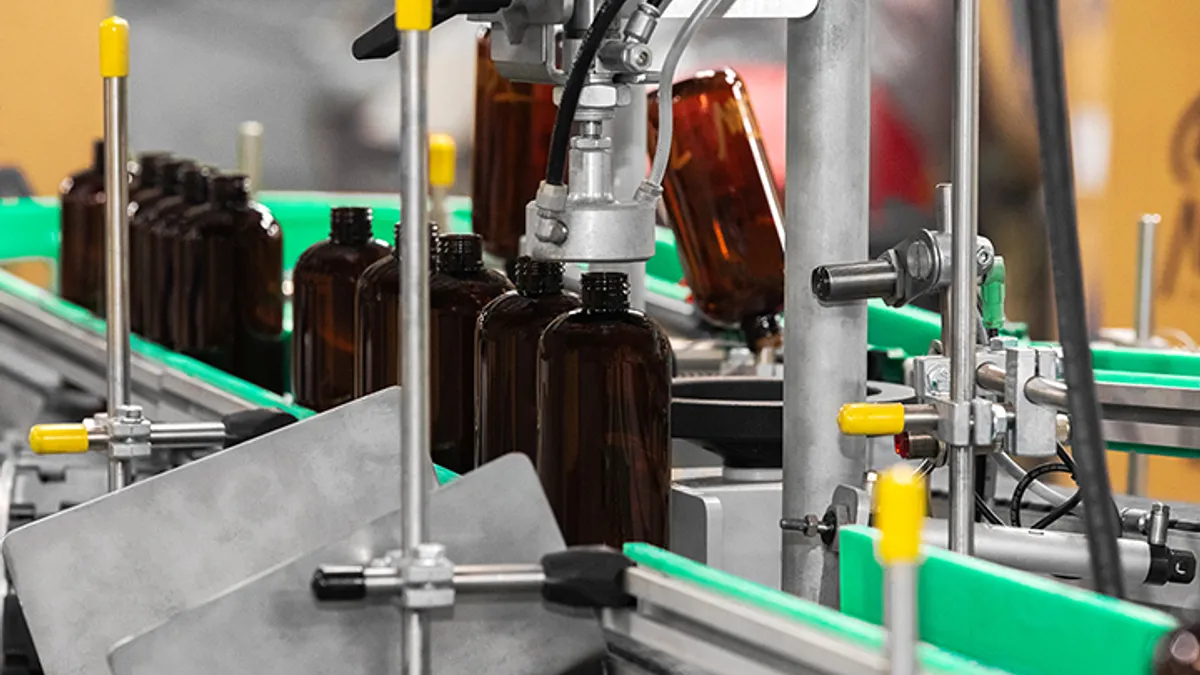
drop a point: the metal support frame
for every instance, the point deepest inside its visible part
(828, 159)
(964, 287)
(116, 221)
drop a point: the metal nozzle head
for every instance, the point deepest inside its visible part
(339, 583)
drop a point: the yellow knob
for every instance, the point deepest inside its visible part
(114, 47)
(871, 419)
(57, 439)
(442, 155)
(899, 514)
(414, 14)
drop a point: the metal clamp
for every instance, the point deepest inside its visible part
(1035, 431)
(128, 433)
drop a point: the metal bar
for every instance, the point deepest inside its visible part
(249, 153)
(943, 214)
(745, 629)
(963, 284)
(414, 327)
(116, 222)
(1135, 483)
(490, 578)
(171, 435)
(1062, 554)
(828, 156)
(900, 606)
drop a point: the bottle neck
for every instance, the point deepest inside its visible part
(537, 278)
(460, 254)
(605, 292)
(348, 234)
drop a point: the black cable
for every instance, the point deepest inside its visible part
(1065, 457)
(1058, 511)
(1014, 506)
(560, 139)
(1102, 525)
(982, 508)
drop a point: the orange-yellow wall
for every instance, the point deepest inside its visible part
(50, 97)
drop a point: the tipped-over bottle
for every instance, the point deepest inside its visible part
(604, 406)
(323, 282)
(513, 124)
(720, 197)
(509, 329)
(458, 291)
(81, 258)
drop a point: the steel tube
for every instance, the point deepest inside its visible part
(1143, 325)
(854, 281)
(414, 327)
(920, 418)
(1063, 554)
(963, 283)
(187, 435)
(900, 605)
(116, 226)
(943, 215)
(249, 153)
(498, 578)
(828, 157)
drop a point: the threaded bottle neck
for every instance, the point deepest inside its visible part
(536, 278)
(197, 182)
(172, 176)
(350, 225)
(460, 253)
(230, 190)
(761, 330)
(605, 292)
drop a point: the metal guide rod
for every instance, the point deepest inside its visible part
(413, 23)
(114, 67)
(249, 153)
(943, 209)
(1143, 325)
(963, 283)
(828, 158)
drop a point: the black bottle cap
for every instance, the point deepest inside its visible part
(197, 181)
(151, 164)
(535, 278)
(460, 253)
(605, 291)
(172, 175)
(230, 189)
(350, 225)
(98, 155)
(760, 328)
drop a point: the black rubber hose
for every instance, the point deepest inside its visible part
(982, 508)
(1058, 187)
(560, 139)
(1057, 512)
(1014, 505)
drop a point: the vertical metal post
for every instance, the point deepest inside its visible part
(249, 153)
(963, 286)
(628, 131)
(828, 155)
(114, 67)
(1143, 325)
(414, 326)
(900, 611)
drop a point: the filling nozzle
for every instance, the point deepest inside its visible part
(855, 281)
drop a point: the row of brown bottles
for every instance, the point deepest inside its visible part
(206, 263)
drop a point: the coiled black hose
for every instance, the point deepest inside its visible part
(1101, 524)
(1018, 495)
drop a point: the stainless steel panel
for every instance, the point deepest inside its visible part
(271, 624)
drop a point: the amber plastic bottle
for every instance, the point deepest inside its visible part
(81, 259)
(720, 196)
(513, 123)
(147, 253)
(376, 320)
(166, 229)
(143, 194)
(1178, 652)
(506, 371)
(604, 406)
(227, 308)
(324, 281)
(457, 293)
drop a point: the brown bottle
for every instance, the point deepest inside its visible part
(145, 191)
(457, 293)
(1178, 653)
(165, 258)
(376, 320)
(506, 372)
(227, 308)
(513, 124)
(722, 204)
(81, 259)
(604, 406)
(148, 254)
(323, 304)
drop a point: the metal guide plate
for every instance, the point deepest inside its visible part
(113, 567)
(271, 624)
(747, 9)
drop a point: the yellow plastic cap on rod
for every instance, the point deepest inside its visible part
(114, 47)
(899, 514)
(442, 155)
(414, 14)
(871, 419)
(58, 439)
